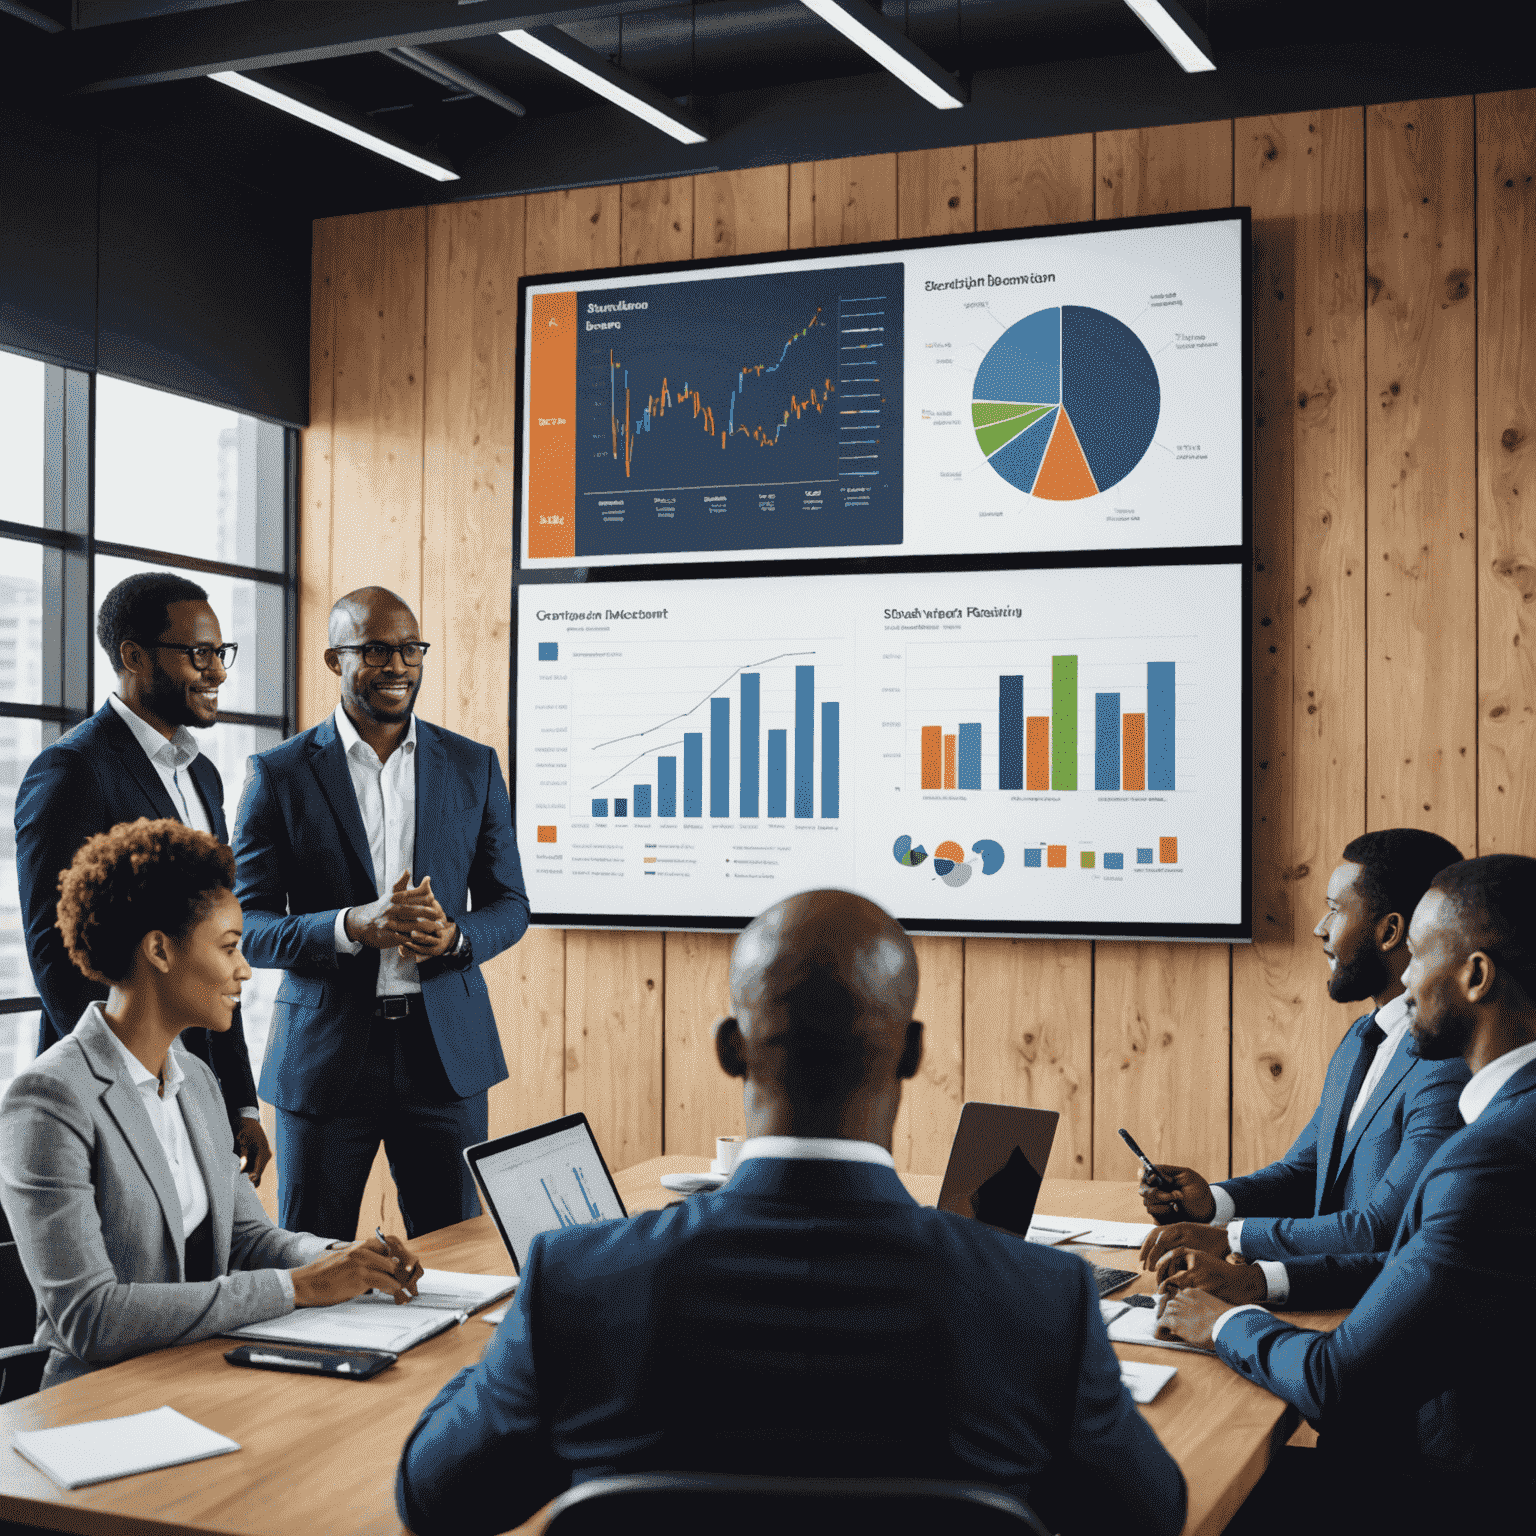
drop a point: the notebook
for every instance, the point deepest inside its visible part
(77, 1455)
(1144, 1381)
(1138, 1325)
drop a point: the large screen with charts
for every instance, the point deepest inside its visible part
(1054, 750)
(1067, 389)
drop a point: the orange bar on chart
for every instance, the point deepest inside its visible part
(546, 834)
(1055, 855)
(1133, 770)
(932, 748)
(551, 509)
(1167, 850)
(949, 762)
(1037, 755)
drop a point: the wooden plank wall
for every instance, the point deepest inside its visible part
(1394, 677)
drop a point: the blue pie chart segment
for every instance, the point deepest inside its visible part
(1024, 362)
(1018, 462)
(1111, 391)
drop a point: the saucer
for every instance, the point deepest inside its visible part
(692, 1183)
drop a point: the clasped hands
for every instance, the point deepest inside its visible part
(407, 918)
(1199, 1277)
(346, 1270)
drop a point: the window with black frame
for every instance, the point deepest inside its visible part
(99, 479)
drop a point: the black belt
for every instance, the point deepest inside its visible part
(400, 1006)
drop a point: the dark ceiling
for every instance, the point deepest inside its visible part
(768, 79)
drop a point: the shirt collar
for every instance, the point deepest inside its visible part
(830, 1149)
(1392, 1018)
(140, 1075)
(175, 752)
(1481, 1091)
(350, 739)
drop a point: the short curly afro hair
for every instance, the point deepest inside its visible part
(139, 877)
(138, 608)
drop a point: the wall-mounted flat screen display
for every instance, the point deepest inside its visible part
(1033, 750)
(1068, 389)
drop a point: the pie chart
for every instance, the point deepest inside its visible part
(1066, 403)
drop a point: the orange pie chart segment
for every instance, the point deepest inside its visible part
(1064, 473)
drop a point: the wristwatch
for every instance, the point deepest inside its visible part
(461, 950)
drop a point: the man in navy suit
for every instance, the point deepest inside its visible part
(382, 1029)
(1344, 1183)
(810, 1318)
(1422, 1398)
(134, 757)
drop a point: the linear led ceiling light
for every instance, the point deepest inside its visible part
(303, 105)
(866, 28)
(1172, 26)
(551, 46)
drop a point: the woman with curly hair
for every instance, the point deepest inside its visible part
(128, 1208)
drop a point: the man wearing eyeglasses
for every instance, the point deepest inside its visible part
(376, 864)
(136, 756)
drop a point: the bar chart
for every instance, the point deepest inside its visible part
(1029, 737)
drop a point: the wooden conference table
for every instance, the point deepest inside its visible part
(320, 1455)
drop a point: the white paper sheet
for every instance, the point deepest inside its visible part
(76, 1455)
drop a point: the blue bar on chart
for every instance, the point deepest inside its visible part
(968, 757)
(1032, 858)
(1160, 741)
(642, 799)
(621, 807)
(805, 739)
(829, 752)
(693, 773)
(1106, 741)
(719, 757)
(1114, 861)
(549, 650)
(600, 807)
(778, 743)
(666, 786)
(1143, 855)
(751, 713)
(1010, 732)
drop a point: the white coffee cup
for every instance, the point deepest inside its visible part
(727, 1149)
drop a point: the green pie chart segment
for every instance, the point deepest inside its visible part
(998, 434)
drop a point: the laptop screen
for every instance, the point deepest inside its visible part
(542, 1179)
(997, 1163)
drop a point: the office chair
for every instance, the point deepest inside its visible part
(704, 1504)
(21, 1361)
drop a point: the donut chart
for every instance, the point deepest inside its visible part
(1066, 403)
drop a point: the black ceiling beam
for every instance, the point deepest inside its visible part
(450, 76)
(31, 15)
(279, 33)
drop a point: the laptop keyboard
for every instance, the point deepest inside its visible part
(1111, 1279)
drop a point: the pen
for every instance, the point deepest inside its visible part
(294, 1362)
(1154, 1178)
(378, 1232)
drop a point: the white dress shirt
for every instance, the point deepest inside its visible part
(1392, 1019)
(1476, 1096)
(386, 797)
(163, 1106)
(829, 1149)
(170, 759)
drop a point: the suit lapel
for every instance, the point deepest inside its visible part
(431, 761)
(215, 1170)
(1397, 1069)
(329, 764)
(1335, 1110)
(138, 767)
(206, 777)
(122, 1101)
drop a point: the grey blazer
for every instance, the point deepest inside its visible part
(93, 1207)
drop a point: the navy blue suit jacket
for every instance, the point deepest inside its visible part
(1434, 1365)
(86, 782)
(302, 854)
(811, 1319)
(1298, 1210)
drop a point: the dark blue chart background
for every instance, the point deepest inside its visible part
(699, 335)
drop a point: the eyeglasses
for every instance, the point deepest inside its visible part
(201, 656)
(376, 654)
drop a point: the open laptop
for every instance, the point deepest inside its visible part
(541, 1179)
(995, 1167)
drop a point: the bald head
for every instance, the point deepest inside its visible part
(822, 989)
(352, 616)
